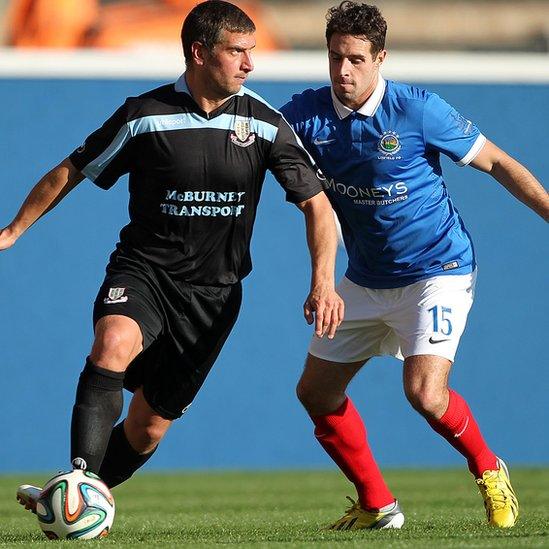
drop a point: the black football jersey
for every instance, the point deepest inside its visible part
(194, 178)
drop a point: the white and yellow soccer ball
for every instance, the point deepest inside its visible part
(75, 505)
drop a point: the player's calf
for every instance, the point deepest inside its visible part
(98, 404)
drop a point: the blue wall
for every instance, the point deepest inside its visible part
(247, 415)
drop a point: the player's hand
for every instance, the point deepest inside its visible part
(325, 308)
(7, 238)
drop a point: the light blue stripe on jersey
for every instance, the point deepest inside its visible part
(93, 170)
(246, 91)
(249, 92)
(170, 122)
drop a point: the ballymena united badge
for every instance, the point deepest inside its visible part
(242, 133)
(116, 295)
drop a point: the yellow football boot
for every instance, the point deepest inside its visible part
(357, 518)
(500, 501)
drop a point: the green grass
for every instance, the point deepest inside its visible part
(288, 509)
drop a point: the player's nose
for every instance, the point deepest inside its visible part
(344, 67)
(247, 62)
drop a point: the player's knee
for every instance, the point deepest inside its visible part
(302, 393)
(113, 348)
(153, 434)
(145, 437)
(308, 396)
(317, 401)
(428, 401)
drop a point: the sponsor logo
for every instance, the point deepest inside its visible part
(81, 148)
(116, 295)
(450, 266)
(242, 133)
(186, 408)
(204, 203)
(383, 195)
(318, 141)
(389, 143)
(171, 121)
(435, 341)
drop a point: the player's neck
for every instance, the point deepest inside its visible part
(202, 94)
(357, 104)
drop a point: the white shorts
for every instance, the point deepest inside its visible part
(424, 318)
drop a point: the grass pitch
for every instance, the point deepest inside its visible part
(288, 509)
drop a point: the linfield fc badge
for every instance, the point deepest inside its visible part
(389, 143)
(242, 134)
(116, 295)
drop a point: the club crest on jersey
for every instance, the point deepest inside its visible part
(116, 295)
(389, 144)
(242, 134)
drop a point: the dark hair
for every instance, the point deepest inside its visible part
(206, 21)
(357, 20)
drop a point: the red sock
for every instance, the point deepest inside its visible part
(343, 435)
(459, 428)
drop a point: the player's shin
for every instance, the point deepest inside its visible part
(343, 435)
(97, 407)
(459, 427)
(121, 460)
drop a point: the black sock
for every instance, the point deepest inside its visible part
(121, 460)
(97, 407)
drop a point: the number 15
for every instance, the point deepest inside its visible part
(444, 319)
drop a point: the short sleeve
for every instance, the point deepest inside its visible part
(289, 111)
(104, 156)
(450, 133)
(293, 167)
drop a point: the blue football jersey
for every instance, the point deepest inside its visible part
(384, 179)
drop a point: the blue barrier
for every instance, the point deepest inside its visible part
(247, 416)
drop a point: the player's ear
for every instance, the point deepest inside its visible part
(380, 57)
(198, 53)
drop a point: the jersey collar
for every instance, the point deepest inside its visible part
(369, 108)
(181, 85)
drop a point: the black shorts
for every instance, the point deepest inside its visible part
(184, 327)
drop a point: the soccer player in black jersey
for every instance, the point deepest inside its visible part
(196, 153)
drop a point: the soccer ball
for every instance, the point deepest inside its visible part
(75, 505)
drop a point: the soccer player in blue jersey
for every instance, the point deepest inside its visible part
(410, 280)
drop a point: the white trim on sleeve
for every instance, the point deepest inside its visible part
(473, 151)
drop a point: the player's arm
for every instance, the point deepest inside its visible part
(45, 195)
(295, 171)
(514, 177)
(323, 305)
